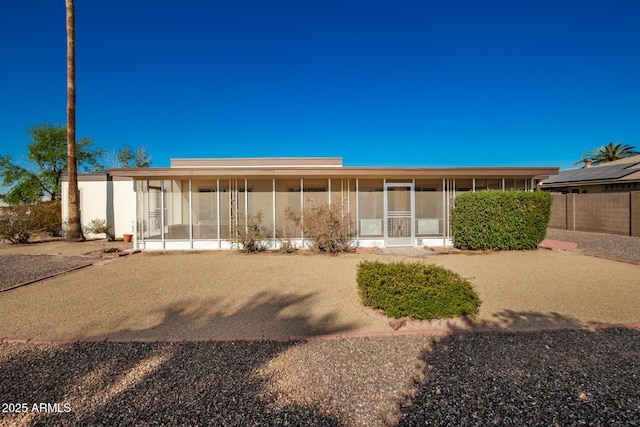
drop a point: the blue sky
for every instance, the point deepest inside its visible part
(380, 83)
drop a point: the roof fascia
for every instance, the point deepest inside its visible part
(346, 172)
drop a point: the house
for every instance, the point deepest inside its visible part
(602, 199)
(613, 177)
(198, 203)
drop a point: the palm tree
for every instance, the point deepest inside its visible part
(74, 228)
(608, 153)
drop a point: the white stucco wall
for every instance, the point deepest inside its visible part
(124, 207)
(95, 192)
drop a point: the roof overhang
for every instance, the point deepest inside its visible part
(338, 172)
(585, 183)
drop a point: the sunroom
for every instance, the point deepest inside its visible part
(202, 203)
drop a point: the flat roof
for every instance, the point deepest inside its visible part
(336, 172)
(257, 162)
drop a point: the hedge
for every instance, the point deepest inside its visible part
(503, 220)
(416, 290)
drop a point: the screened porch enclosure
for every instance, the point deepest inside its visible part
(209, 213)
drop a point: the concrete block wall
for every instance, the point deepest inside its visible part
(602, 213)
(635, 213)
(615, 213)
(558, 217)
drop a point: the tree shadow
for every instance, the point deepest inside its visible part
(265, 314)
(520, 320)
(194, 383)
(188, 383)
(563, 377)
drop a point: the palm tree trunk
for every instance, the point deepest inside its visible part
(74, 228)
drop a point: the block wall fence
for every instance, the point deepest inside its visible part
(615, 213)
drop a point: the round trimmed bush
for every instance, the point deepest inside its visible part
(416, 290)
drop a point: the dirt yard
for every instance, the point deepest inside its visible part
(227, 294)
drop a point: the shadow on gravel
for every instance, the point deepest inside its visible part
(266, 314)
(523, 319)
(570, 377)
(201, 383)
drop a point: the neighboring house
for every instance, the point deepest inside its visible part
(618, 176)
(197, 203)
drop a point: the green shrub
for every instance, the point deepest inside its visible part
(416, 290)
(503, 220)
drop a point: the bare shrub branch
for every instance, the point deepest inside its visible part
(325, 226)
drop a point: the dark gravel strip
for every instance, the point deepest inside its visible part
(567, 378)
(18, 269)
(342, 382)
(552, 378)
(613, 246)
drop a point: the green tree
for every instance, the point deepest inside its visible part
(608, 153)
(47, 157)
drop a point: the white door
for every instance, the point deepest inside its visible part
(399, 214)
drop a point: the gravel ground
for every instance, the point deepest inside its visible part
(625, 248)
(346, 382)
(224, 294)
(554, 378)
(17, 269)
(546, 378)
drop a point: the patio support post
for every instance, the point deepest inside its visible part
(343, 182)
(444, 210)
(190, 216)
(233, 206)
(148, 210)
(162, 212)
(342, 192)
(302, 211)
(413, 212)
(218, 213)
(445, 206)
(246, 207)
(273, 208)
(453, 189)
(357, 212)
(385, 204)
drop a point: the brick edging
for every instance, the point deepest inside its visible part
(333, 337)
(46, 277)
(614, 259)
